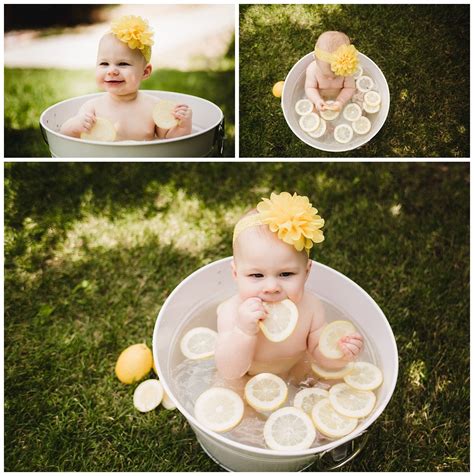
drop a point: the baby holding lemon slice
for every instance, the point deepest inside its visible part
(125, 113)
(271, 265)
(329, 76)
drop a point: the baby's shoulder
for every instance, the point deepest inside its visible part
(228, 306)
(149, 98)
(313, 306)
(312, 68)
(92, 104)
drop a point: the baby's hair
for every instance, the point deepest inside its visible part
(331, 40)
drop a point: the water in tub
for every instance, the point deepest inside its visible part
(190, 378)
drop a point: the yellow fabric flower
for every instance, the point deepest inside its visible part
(293, 218)
(343, 61)
(135, 32)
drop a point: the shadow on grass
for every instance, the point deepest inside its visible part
(428, 74)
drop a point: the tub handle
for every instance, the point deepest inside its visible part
(219, 138)
(44, 135)
(342, 454)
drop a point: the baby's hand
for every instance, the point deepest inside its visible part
(184, 114)
(351, 346)
(320, 105)
(85, 122)
(335, 106)
(250, 312)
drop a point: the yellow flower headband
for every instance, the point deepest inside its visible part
(343, 61)
(135, 32)
(292, 217)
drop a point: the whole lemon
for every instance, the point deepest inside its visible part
(134, 363)
(278, 89)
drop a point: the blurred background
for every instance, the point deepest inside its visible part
(50, 53)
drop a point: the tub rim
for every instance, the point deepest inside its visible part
(324, 149)
(264, 451)
(128, 143)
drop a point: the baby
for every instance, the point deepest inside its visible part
(271, 263)
(123, 61)
(329, 76)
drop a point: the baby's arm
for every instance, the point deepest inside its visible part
(81, 122)
(347, 91)
(237, 330)
(350, 345)
(184, 114)
(311, 87)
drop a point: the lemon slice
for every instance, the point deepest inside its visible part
(103, 130)
(352, 112)
(332, 374)
(371, 109)
(329, 114)
(308, 397)
(265, 392)
(167, 402)
(372, 98)
(351, 402)
(362, 125)
(329, 422)
(219, 409)
(320, 130)
(148, 395)
(289, 429)
(309, 122)
(199, 343)
(364, 376)
(328, 341)
(281, 320)
(343, 133)
(162, 114)
(358, 72)
(303, 107)
(364, 84)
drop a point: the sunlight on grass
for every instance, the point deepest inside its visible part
(417, 374)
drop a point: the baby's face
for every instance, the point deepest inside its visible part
(119, 69)
(267, 268)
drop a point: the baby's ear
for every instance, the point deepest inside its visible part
(308, 267)
(147, 71)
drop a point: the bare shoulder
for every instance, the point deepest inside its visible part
(92, 104)
(149, 98)
(312, 68)
(315, 308)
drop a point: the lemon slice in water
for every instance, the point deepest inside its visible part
(364, 376)
(362, 125)
(329, 422)
(162, 114)
(364, 84)
(343, 133)
(199, 343)
(148, 395)
(320, 130)
(358, 73)
(308, 397)
(309, 122)
(281, 320)
(289, 429)
(265, 392)
(371, 109)
(352, 112)
(303, 107)
(219, 409)
(332, 374)
(372, 98)
(351, 402)
(328, 340)
(330, 114)
(103, 130)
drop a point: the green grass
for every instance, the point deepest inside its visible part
(423, 51)
(93, 250)
(28, 92)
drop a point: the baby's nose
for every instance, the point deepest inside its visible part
(272, 286)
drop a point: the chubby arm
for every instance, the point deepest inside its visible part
(347, 91)
(83, 121)
(350, 345)
(311, 87)
(237, 329)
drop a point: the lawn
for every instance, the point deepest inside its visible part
(28, 92)
(93, 250)
(423, 51)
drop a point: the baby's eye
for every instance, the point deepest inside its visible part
(256, 275)
(287, 274)
(123, 64)
(104, 63)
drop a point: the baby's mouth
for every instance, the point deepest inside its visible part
(113, 81)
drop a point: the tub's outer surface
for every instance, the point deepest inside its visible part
(208, 119)
(293, 89)
(214, 281)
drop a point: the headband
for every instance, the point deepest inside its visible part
(343, 61)
(135, 32)
(292, 217)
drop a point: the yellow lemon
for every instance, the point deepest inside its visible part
(134, 363)
(265, 392)
(278, 89)
(328, 341)
(331, 423)
(351, 402)
(103, 130)
(199, 343)
(281, 320)
(364, 376)
(162, 114)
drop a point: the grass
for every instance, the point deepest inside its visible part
(93, 250)
(28, 92)
(423, 51)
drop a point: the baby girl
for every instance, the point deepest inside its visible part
(123, 61)
(271, 263)
(329, 76)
